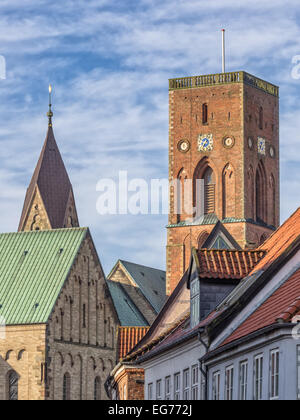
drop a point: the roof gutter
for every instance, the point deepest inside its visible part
(168, 347)
(243, 340)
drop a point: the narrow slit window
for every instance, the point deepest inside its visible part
(204, 113)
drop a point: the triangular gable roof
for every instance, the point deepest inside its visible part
(151, 281)
(127, 311)
(220, 231)
(33, 269)
(52, 180)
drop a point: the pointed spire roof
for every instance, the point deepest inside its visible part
(52, 180)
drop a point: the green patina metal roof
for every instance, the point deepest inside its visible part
(128, 313)
(151, 281)
(33, 269)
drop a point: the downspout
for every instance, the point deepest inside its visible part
(203, 367)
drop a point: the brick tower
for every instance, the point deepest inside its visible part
(49, 201)
(224, 131)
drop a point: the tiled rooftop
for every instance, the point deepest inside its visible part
(283, 304)
(227, 264)
(128, 338)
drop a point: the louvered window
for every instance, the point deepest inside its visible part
(209, 192)
(13, 386)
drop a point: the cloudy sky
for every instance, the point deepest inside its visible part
(109, 62)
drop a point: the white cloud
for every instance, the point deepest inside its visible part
(109, 63)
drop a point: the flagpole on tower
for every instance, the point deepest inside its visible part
(223, 51)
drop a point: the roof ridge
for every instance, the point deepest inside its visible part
(28, 232)
(257, 250)
(142, 265)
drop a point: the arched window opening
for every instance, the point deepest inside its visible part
(273, 201)
(97, 389)
(67, 387)
(179, 195)
(261, 118)
(202, 238)
(204, 189)
(12, 386)
(209, 191)
(250, 195)
(260, 187)
(263, 238)
(229, 197)
(204, 114)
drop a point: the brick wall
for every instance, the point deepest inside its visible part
(82, 331)
(24, 350)
(233, 111)
(129, 383)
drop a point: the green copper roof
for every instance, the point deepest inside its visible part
(128, 313)
(33, 269)
(151, 281)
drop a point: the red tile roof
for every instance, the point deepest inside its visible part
(227, 264)
(279, 241)
(128, 338)
(51, 177)
(289, 313)
(281, 304)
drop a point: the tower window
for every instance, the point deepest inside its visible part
(209, 191)
(204, 114)
(261, 118)
(260, 186)
(67, 387)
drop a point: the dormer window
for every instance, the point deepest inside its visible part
(195, 302)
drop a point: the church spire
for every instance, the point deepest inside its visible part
(49, 201)
(50, 113)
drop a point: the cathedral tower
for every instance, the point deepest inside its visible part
(49, 201)
(224, 131)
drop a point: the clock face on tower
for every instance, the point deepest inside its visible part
(183, 146)
(228, 142)
(261, 145)
(205, 143)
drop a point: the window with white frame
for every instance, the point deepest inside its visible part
(258, 377)
(177, 386)
(274, 374)
(216, 382)
(298, 369)
(168, 388)
(195, 302)
(150, 392)
(158, 389)
(229, 383)
(186, 384)
(195, 382)
(243, 380)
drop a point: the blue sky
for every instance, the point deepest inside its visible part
(109, 63)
